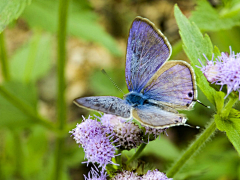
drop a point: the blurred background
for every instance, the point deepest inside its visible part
(97, 37)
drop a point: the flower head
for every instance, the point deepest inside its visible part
(224, 71)
(96, 141)
(155, 175)
(128, 134)
(153, 133)
(126, 175)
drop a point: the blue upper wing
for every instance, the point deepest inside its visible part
(147, 50)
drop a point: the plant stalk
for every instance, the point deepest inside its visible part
(3, 59)
(61, 103)
(135, 156)
(192, 149)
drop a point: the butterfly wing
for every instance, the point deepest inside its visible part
(147, 50)
(157, 117)
(173, 85)
(106, 104)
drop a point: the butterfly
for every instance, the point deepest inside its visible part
(157, 87)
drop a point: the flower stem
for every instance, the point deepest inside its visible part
(225, 112)
(3, 58)
(194, 147)
(61, 103)
(135, 156)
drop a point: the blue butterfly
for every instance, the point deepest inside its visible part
(157, 88)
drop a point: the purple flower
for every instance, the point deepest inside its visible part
(126, 175)
(127, 134)
(96, 141)
(155, 175)
(99, 149)
(153, 133)
(224, 71)
(93, 175)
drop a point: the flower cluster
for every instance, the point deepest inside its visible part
(224, 71)
(96, 141)
(150, 175)
(100, 139)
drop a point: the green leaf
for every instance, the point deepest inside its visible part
(35, 152)
(231, 126)
(32, 61)
(215, 21)
(10, 10)
(82, 22)
(219, 99)
(11, 116)
(161, 147)
(195, 45)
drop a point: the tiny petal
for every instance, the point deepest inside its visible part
(93, 175)
(155, 175)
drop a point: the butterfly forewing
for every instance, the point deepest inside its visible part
(106, 104)
(173, 85)
(147, 50)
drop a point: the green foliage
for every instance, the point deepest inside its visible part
(225, 19)
(231, 126)
(226, 118)
(29, 148)
(33, 60)
(82, 22)
(11, 116)
(11, 10)
(195, 45)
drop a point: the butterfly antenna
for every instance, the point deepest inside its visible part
(105, 73)
(194, 127)
(203, 104)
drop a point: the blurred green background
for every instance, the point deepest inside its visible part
(97, 34)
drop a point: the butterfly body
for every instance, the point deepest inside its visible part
(157, 87)
(134, 98)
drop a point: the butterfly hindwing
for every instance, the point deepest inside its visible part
(147, 51)
(173, 85)
(156, 117)
(106, 104)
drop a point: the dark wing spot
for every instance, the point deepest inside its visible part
(176, 121)
(187, 104)
(190, 94)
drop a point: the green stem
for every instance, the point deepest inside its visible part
(225, 112)
(18, 149)
(135, 156)
(119, 159)
(3, 58)
(194, 147)
(61, 103)
(26, 109)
